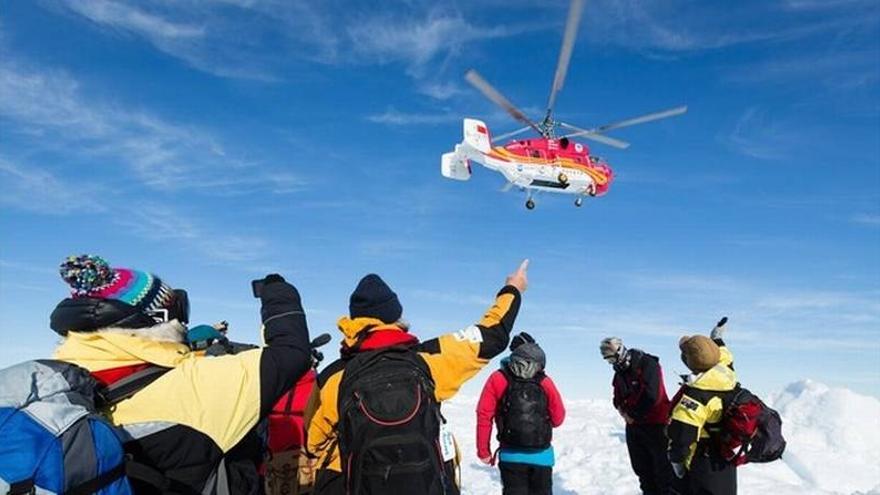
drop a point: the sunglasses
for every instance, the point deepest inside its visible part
(179, 309)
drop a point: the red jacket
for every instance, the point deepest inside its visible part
(493, 391)
(639, 391)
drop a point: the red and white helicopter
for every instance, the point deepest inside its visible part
(548, 162)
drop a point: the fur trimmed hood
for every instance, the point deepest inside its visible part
(172, 331)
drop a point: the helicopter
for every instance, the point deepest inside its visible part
(552, 161)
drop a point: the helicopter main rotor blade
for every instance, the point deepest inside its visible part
(615, 143)
(490, 92)
(511, 134)
(568, 39)
(648, 117)
(592, 134)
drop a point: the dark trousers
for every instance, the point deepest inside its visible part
(709, 476)
(647, 446)
(526, 479)
(329, 482)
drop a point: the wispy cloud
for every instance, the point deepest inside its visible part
(27, 267)
(833, 69)
(868, 219)
(682, 26)
(397, 118)
(37, 190)
(756, 135)
(457, 298)
(131, 18)
(416, 41)
(161, 223)
(242, 38)
(52, 107)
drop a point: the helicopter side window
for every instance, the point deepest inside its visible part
(563, 143)
(594, 159)
(535, 154)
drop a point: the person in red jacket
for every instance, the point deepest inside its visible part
(526, 406)
(640, 397)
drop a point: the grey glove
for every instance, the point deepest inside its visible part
(679, 470)
(718, 331)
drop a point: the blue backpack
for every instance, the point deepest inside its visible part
(53, 439)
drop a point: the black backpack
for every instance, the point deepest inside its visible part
(750, 431)
(523, 418)
(389, 426)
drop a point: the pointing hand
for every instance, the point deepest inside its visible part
(519, 278)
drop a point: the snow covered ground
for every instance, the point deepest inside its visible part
(833, 447)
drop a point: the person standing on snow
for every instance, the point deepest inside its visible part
(640, 397)
(522, 399)
(698, 410)
(184, 425)
(376, 409)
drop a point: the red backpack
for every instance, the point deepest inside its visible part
(286, 428)
(750, 431)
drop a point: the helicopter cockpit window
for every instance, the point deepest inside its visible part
(595, 159)
(563, 143)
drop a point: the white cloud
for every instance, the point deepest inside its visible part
(53, 109)
(261, 39)
(131, 18)
(868, 219)
(439, 90)
(834, 70)
(397, 118)
(161, 223)
(681, 26)
(758, 136)
(39, 191)
(416, 41)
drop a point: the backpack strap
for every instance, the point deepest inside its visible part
(97, 483)
(127, 467)
(151, 476)
(128, 386)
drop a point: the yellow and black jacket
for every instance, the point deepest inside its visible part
(698, 406)
(451, 359)
(197, 413)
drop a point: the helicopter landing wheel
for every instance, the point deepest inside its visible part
(563, 179)
(579, 202)
(530, 204)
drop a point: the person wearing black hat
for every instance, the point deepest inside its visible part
(526, 405)
(377, 407)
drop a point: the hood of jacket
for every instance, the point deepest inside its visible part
(90, 314)
(115, 347)
(359, 330)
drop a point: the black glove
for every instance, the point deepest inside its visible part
(273, 278)
(520, 339)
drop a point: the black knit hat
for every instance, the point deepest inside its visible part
(373, 298)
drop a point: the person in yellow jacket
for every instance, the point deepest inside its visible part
(374, 323)
(193, 424)
(697, 413)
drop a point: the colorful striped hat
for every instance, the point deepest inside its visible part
(92, 276)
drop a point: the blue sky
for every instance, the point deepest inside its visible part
(213, 142)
